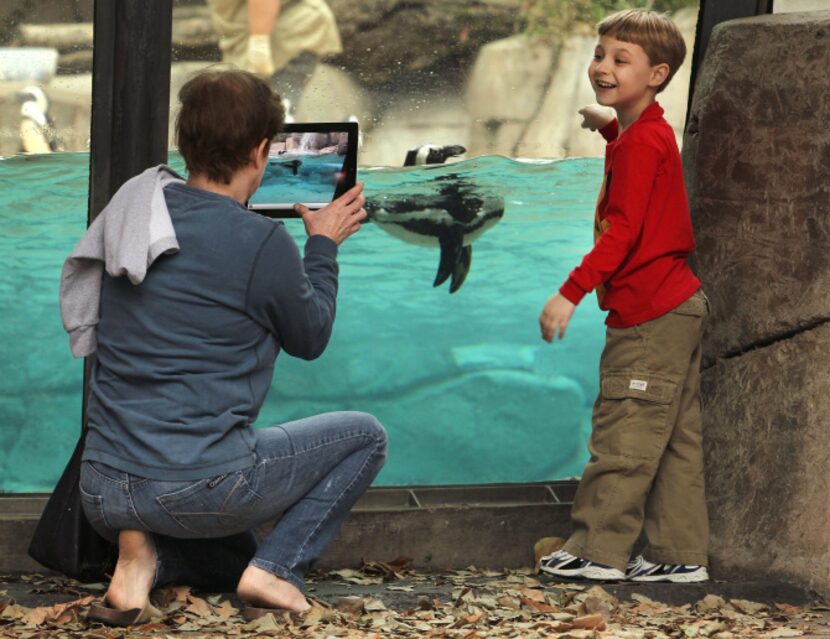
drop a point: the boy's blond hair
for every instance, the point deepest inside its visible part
(654, 32)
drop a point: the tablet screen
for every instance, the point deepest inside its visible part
(311, 164)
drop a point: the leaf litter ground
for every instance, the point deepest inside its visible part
(390, 600)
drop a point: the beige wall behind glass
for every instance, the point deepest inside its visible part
(430, 72)
(445, 73)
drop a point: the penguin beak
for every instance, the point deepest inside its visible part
(454, 150)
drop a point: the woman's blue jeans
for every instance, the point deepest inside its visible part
(309, 471)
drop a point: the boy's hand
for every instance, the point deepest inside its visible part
(596, 116)
(337, 220)
(555, 317)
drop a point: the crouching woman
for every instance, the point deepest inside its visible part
(173, 470)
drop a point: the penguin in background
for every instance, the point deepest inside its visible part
(432, 154)
(37, 130)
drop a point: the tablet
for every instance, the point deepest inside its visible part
(309, 163)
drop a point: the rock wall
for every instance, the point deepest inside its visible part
(757, 157)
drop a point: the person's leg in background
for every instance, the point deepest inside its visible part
(262, 16)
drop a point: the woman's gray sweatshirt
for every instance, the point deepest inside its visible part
(185, 358)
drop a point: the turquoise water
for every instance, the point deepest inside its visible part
(467, 390)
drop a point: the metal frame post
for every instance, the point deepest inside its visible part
(131, 57)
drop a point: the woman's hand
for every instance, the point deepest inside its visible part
(337, 220)
(555, 316)
(596, 116)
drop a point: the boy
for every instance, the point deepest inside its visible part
(646, 466)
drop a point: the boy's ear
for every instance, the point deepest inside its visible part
(659, 73)
(259, 153)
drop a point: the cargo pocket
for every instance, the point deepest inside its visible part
(632, 417)
(212, 507)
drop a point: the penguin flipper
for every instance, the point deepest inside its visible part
(462, 267)
(455, 259)
(449, 241)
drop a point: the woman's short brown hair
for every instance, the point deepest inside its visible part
(223, 116)
(655, 32)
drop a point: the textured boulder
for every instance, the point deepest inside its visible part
(757, 159)
(767, 458)
(757, 156)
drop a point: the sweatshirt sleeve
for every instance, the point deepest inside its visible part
(294, 297)
(610, 130)
(630, 184)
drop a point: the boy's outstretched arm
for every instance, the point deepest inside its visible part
(555, 316)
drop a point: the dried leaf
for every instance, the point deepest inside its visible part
(594, 605)
(263, 624)
(373, 605)
(350, 605)
(225, 610)
(13, 611)
(783, 632)
(537, 605)
(589, 622)
(710, 602)
(198, 607)
(787, 608)
(748, 607)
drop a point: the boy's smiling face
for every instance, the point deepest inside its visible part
(623, 77)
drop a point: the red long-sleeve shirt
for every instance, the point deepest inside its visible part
(643, 231)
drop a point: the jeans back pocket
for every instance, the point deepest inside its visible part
(213, 507)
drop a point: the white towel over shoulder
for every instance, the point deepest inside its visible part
(126, 238)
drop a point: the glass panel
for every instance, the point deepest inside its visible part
(468, 391)
(45, 96)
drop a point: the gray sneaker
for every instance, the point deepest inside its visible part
(564, 564)
(639, 569)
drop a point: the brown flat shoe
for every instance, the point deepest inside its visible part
(114, 617)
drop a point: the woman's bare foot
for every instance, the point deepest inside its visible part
(260, 588)
(134, 572)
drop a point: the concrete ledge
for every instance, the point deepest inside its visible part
(446, 527)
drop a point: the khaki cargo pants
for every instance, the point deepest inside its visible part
(646, 467)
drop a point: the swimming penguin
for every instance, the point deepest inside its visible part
(37, 130)
(432, 154)
(451, 219)
(294, 165)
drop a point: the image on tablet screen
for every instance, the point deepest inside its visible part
(303, 167)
